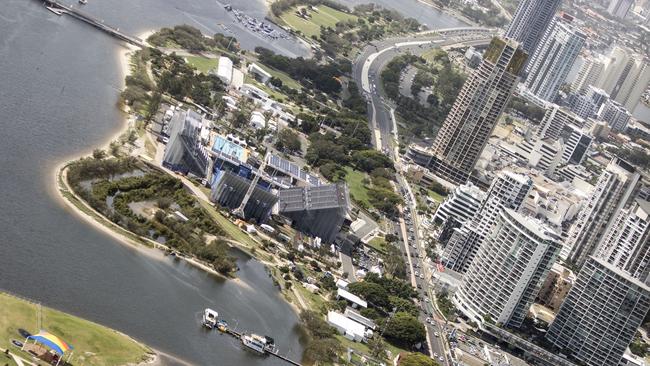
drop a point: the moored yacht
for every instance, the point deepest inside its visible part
(260, 344)
(210, 318)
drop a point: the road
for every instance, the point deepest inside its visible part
(373, 58)
(366, 73)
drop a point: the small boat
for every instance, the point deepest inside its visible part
(258, 343)
(83, 2)
(210, 318)
(222, 326)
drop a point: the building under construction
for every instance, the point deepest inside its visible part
(184, 152)
(231, 188)
(318, 211)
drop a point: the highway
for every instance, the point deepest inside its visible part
(366, 73)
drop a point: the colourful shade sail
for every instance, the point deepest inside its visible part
(50, 340)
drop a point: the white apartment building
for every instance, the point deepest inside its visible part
(509, 268)
(557, 51)
(600, 315)
(461, 205)
(626, 244)
(616, 187)
(615, 114)
(508, 190)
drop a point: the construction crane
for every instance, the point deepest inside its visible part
(239, 211)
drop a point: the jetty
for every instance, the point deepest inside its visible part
(238, 335)
(61, 9)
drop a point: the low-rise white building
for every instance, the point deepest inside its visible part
(259, 73)
(257, 120)
(348, 327)
(461, 204)
(224, 70)
(355, 300)
(254, 92)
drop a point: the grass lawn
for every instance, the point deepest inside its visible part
(93, 344)
(231, 229)
(363, 348)
(325, 16)
(358, 190)
(286, 79)
(315, 301)
(436, 196)
(272, 93)
(378, 244)
(203, 64)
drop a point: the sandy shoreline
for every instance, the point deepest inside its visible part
(103, 224)
(123, 55)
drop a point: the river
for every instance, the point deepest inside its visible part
(59, 84)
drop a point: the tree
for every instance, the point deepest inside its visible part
(288, 141)
(316, 325)
(404, 329)
(377, 347)
(417, 359)
(323, 351)
(239, 119)
(374, 293)
(99, 154)
(275, 82)
(153, 105)
(163, 203)
(369, 160)
(400, 304)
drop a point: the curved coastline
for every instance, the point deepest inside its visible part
(66, 196)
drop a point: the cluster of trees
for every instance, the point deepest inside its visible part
(446, 306)
(139, 87)
(394, 264)
(339, 148)
(308, 72)
(174, 77)
(636, 156)
(526, 109)
(445, 80)
(491, 18)
(150, 185)
(322, 346)
(281, 6)
(178, 79)
(191, 39)
(386, 21)
(87, 169)
(288, 141)
(381, 194)
(417, 359)
(373, 22)
(392, 307)
(390, 76)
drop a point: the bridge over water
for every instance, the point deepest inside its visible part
(61, 8)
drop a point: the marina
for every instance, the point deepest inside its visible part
(256, 25)
(262, 345)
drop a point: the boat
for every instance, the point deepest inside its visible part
(222, 326)
(259, 344)
(83, 2)
(210, 318)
